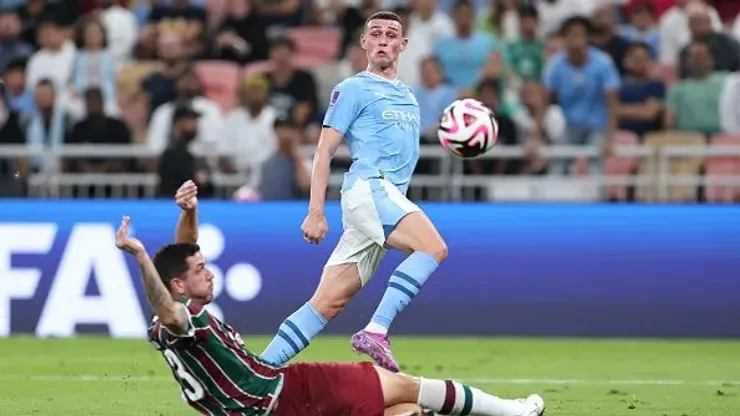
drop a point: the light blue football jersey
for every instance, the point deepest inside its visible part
(380, 122)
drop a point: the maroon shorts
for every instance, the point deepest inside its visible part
(331, 389)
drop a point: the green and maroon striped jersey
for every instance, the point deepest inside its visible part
(217, 374)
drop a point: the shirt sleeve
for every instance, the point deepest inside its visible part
(728, 114)
(159, 129)
(344, 107)
(198, 324)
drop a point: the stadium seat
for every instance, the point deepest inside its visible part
(259, 67)
(723, 166)
(220, 80)
(690, 165)
(621, 166)
(319, 42)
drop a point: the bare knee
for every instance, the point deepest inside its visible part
(438, 251)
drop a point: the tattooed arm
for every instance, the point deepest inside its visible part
(170, 313)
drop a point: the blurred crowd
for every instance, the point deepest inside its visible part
(237, 86)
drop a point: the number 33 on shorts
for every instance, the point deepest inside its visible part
(191, 388)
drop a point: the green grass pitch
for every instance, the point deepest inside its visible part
(101, 376)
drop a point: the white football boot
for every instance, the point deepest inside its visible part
(534, 405)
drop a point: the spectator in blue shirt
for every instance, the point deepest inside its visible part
(17, 97)
(464, 55)
(11, 44)
(643, 28)
(434, 94)
(585, 83)
(641, 96)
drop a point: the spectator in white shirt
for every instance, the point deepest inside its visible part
(426, 25)
(729, 105)
(674, 30)
(55, 59)
(501, 19)
(249, 137)
(120, 24)
(553, 13)
(539, 123)
(188, 92)
(327, 12)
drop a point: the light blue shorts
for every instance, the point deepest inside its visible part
(370, 211)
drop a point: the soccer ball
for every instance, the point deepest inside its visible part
(467, 128)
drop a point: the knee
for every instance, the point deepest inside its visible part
(327, 307)
(439, 252)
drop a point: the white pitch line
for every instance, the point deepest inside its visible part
(564, 381)
(601, 382)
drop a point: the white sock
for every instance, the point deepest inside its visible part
(451, 398)
(376, 328)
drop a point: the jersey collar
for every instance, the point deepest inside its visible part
(395, 81)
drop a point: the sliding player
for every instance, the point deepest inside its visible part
(218, 376)
(379, 118)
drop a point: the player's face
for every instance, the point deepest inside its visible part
(383, 41)
(197, 283)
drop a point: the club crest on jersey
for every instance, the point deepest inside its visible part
(334, 97)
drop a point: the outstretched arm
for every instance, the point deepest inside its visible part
(170, 313)
(187, 226)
